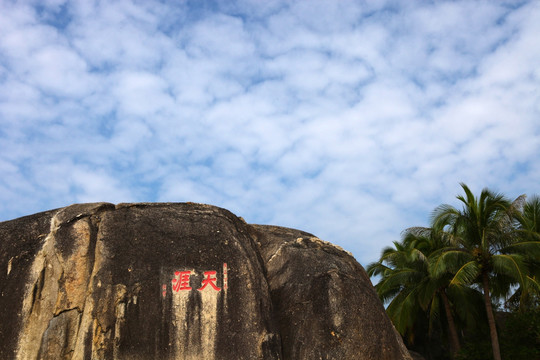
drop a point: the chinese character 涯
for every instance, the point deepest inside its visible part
(182, 282)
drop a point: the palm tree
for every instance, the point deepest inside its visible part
(407, 283)
(484, 247)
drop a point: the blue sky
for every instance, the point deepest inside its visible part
(351, 120)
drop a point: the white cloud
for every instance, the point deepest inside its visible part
(59, 71)
(141, 94)
(348, 120)
(93, 185)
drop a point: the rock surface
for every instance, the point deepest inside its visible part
(181, 281)
(324, 297)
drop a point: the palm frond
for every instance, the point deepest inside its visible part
(511, 265)
(534, 284)
(443, 216)
(447, 260)
(530, 216)
(402, 311)
(398, 278)
(377, 268)
(531, 248)
(467, 303)
(467, 274)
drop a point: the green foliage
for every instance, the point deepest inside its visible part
(519, 334)
(476, 350)
(432, 277)
(412, 291)
(486, 248)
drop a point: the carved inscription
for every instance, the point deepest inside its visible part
(182, 281)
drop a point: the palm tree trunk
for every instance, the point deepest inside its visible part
(491, 318)
(454, 340)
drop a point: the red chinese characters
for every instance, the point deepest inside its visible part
(182, 281)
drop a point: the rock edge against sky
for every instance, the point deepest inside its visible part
(182, 281)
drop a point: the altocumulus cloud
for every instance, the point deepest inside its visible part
(350, 119)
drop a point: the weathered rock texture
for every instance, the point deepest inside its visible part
(181, 281)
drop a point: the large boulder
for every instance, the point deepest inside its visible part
(181, 281)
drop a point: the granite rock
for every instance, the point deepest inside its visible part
(181, 281)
